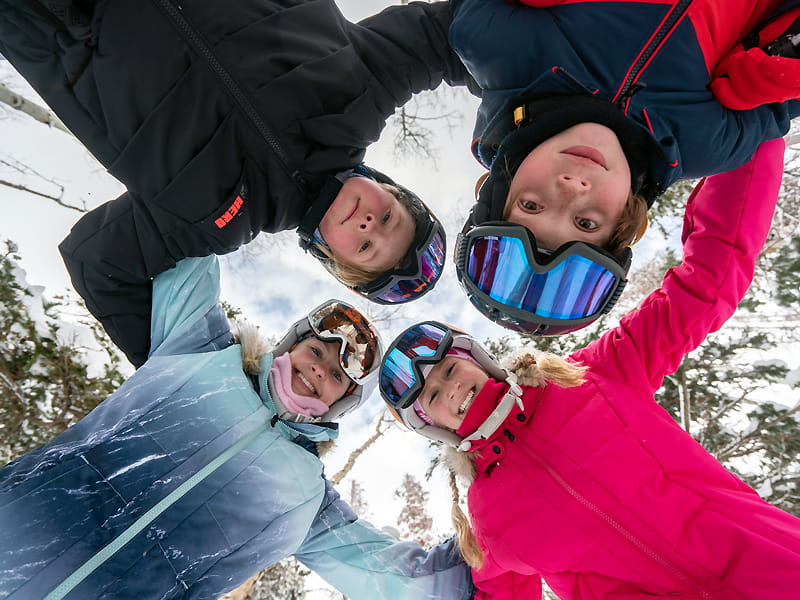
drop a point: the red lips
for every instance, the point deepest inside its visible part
(587, 153)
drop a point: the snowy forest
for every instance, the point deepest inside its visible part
(738, 394)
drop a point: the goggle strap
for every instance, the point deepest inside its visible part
(512, 397)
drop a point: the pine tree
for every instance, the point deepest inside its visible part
(414, 521)
(44, 378)
(357, 499)
(717, 395)
(285, 580)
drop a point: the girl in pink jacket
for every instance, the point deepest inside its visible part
(577, 476)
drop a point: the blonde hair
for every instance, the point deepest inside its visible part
(532, 369)
(629, 230)
(354, 275)
(351, 275)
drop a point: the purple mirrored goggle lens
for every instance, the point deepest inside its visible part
(575, 288)
(398, 378)
(431, 263)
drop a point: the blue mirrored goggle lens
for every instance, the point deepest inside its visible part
(397, 375)
(576, 287)
(431, 263)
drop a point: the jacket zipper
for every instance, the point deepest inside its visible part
(201, 47)
(621, 530)
(662, 32)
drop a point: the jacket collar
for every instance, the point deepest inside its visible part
(489, 453)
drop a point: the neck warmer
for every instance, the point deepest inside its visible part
(482, 406)
(285, 398)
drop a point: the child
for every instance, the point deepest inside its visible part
(578, 476)
(230, 119)
(202, 470)
(584, 123)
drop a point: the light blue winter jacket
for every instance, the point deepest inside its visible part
(116, 473)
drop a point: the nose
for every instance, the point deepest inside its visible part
(451, 388)
(318, 370)
(367, 222)
(573, 184)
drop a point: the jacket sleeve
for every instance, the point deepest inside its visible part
(726, 223)
(730, 143)
(494, 583)
(364, 563)
(407, 47)
(187, 317)
(748, 77)
(111, 254)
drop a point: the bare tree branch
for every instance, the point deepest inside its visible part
(351, 461)
(31, 109)
(27, 170)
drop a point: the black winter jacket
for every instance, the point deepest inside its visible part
(222, 119)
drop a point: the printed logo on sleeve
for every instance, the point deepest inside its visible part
(232, 211)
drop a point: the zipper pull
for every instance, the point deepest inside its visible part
(629, 93)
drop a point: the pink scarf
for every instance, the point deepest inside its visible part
(281, 372)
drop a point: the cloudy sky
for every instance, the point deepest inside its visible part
(271, 280)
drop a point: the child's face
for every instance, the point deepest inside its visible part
(316, 371)
(366, 226)
(572, 186)
(450, 387)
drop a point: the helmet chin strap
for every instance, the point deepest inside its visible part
(498, 415)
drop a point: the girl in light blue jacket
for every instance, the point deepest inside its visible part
(195, 475)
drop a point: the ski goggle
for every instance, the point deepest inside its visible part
(534, 291)
(359, 343)
(424, 266)
(401, 379)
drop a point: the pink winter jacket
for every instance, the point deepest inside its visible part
(596, 489)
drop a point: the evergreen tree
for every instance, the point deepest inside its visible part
(285, 580)
(414, 521)
(45, 383)
(357, 500)
(717, 394)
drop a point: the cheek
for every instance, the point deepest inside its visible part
(521, 217)
(337, 238)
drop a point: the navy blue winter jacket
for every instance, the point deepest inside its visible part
(650, 61)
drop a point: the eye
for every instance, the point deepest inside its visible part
(450, 369)
(586, 224)
(530, 205)
(364, 247)
(386, 217)
(337, 375)
(316, 351)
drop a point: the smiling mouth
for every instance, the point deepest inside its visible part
(307, 383)
(348, 217)
(587, 153)
(462, 410)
